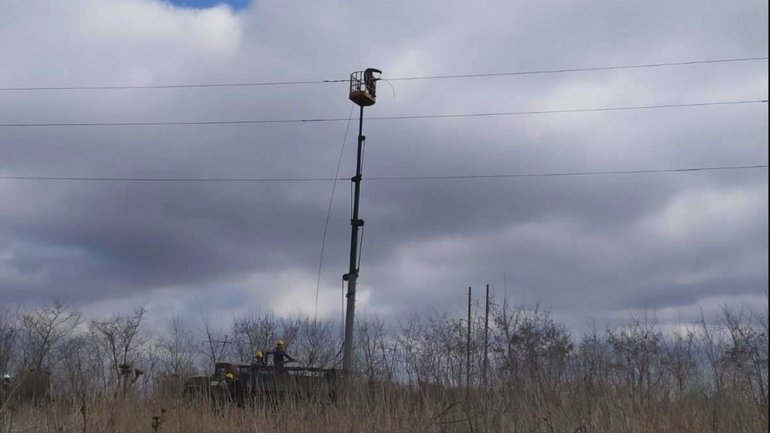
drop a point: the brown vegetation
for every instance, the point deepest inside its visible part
(707, 376)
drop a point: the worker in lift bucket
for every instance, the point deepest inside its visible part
(370, 79)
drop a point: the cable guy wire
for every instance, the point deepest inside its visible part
(329, 212)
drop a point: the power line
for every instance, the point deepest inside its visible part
(566, 111)
(429, 77)
(172, 86)
(387, 178)
(574, 173)
(424, 116)
(598, 68)
(176, 179)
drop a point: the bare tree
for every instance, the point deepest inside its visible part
(73, 373)
(254, 332)
(637, 350)
(177, 349)
(121, 339)
(374, 350)
(214, 345)
(679, 360)
(9, 332)
(43, 329)
(530, 346)
(746, 355)
(316, 345)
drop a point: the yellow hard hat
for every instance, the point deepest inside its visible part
(230, 376)
(279, 343)
(259, 354)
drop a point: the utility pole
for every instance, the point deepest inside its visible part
(468, 347)
(363, 93)
(486, 341)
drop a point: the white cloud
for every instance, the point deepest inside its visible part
(718, 214)
(102, 42)
(582, 245)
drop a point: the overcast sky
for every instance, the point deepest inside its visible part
(587, 247)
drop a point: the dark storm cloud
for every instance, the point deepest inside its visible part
(584, 245)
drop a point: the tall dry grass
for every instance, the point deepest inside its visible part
(379, 407)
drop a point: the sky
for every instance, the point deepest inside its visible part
(590, 248)
(203, 4)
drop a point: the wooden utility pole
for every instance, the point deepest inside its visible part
(485, 366)
(468, 347)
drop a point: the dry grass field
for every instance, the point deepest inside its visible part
(393, 409)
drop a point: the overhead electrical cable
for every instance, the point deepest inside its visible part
(409, 117)
(175, 179)
(172, 86)
(428, 77)
(567, 70)
(386, 178)
(567, 111)
(573, 173)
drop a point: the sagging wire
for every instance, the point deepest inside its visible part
(389, 84)
(329, 212)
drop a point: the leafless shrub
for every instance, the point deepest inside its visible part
(529, 347)
(176, 349)
(9, 332)
(745, 357)
(214, 345)
(121, 340)
(636, 354)
(254, 332)
(42, 330)
(316, 344)
(705, 376)
(375, 350)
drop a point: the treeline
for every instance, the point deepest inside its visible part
(727, 354)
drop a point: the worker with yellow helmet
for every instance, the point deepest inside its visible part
(259, 360)
(279, 355)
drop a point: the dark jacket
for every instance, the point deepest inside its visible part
(280, 357)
